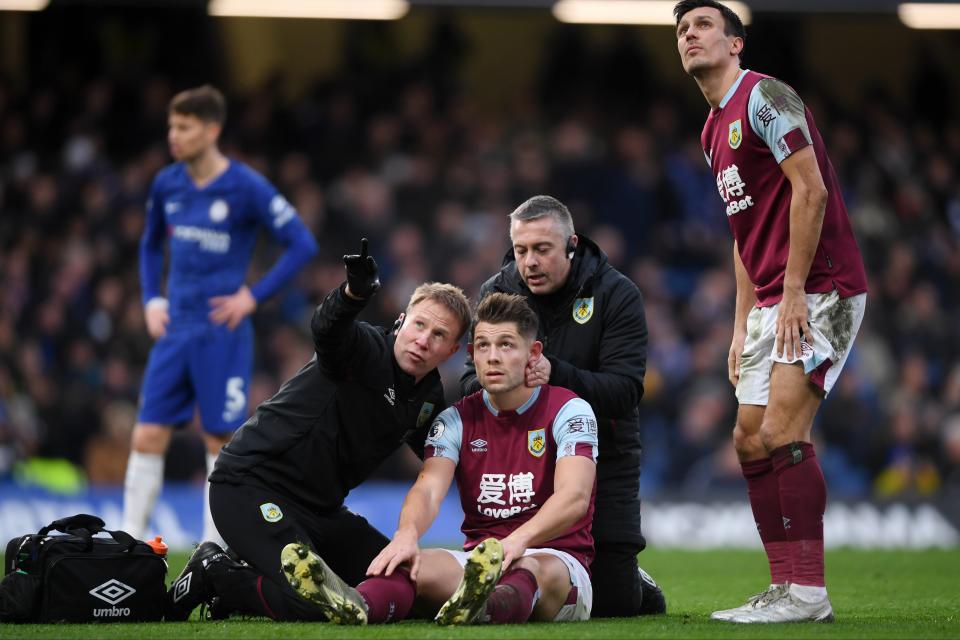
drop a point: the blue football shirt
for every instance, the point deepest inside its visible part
(212, 232)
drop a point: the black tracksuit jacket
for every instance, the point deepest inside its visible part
(603, 359)
(337, 419)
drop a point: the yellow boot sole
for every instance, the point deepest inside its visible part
(480, 575)
(314, 581)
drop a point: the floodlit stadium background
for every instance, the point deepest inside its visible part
(423, 132)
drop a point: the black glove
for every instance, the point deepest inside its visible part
(362, 279)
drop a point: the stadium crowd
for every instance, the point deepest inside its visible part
(408, 161)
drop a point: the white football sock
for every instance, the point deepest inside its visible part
(808, 593)
(141, 487)
(209, 529)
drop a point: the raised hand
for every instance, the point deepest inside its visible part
(362, 275)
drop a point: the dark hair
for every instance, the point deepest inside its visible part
(448, 295)
(732, 24)
(205, 102)
(545, 206)
(499, 307)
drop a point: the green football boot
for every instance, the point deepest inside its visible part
(314, 581)
(480, 575)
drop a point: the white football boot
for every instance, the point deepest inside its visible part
(762, 599)
(789, 608)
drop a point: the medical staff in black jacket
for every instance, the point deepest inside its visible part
(594, 336)
(285, 474)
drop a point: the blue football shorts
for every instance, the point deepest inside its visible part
(201, 365)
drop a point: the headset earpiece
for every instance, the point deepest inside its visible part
(571, 248)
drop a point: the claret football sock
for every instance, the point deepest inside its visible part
(763, 490)
(388, 598)
(141, 486)
(803, 499)
(514, 597)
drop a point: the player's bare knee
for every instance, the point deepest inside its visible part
(438, 578)
(553, 575)
(526, 562)
(150, 438)
(556, 580)
(747, 443)
(774, 434)
(553, 580)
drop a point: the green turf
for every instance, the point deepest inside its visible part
(891, 594)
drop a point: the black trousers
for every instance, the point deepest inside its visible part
(617, 536)
(345, 540)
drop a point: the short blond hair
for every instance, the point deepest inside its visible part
(450, 296)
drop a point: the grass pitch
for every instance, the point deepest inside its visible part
(875, 594)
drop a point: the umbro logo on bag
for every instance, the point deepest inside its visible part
(113, 591)
(182, 587)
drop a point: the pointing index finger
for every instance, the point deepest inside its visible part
(363, 248)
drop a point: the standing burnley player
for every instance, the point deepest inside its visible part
(209, 210)
(524, 459)
(801, 291)
(594, 336)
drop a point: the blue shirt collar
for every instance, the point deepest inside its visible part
(526, 405)
(732, 89)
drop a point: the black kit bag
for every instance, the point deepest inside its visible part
(81, 577)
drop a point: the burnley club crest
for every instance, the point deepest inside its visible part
(736, 133)
(582, 310)
(537, 442)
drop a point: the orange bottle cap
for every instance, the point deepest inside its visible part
(158, 545)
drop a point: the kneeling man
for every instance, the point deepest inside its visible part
(525, 463)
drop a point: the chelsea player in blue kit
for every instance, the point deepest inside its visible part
(209, 209)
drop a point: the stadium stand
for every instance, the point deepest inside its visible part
(429, 177)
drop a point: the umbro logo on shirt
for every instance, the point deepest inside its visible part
(478, 446)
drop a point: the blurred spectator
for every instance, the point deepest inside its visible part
(106, 455)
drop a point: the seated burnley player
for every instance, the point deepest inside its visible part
(284, 476)
(525, 463)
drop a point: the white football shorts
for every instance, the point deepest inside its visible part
(579, 579)
(833, 322)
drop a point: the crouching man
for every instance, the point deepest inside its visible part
(284, 476)
(525, 463)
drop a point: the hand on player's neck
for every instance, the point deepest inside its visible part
(716, 82)
(511, 400)
(206, 167)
